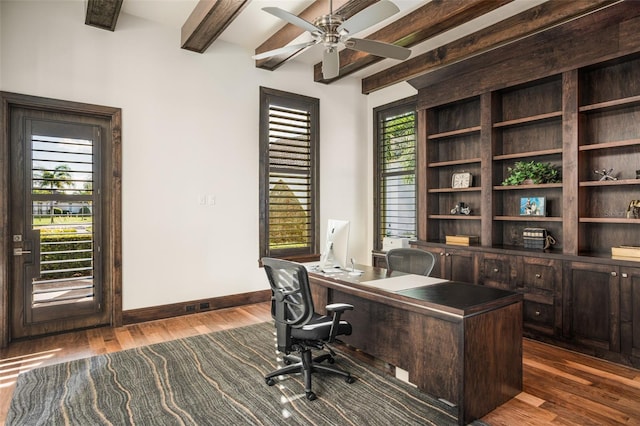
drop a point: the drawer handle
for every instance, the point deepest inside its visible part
(625, 275)
(537, 313)
(495, 270)
(538, 276)
(448, 254)
(614, 274)
(441, 254)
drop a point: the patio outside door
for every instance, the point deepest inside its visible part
(56, 227)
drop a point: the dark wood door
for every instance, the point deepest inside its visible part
(438, 270)
(592, 305)
(630, 312)
(461, 265)
(56, 222)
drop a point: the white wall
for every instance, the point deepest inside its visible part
(190, 128)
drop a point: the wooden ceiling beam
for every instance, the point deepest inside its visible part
(289, 32)
(429, 20)
(103, 13)
(539, 18)
(207, 21)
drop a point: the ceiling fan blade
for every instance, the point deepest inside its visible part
(369, 16)
(285, 49)
(378, 48)
(330, 63)
(292, 19)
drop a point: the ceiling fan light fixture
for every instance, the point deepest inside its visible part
(332, 29)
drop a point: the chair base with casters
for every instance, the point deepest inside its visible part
(299, 329)
(307, 366)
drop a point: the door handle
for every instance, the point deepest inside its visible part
(19, 252)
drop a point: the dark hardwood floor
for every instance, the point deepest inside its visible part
(560, 387)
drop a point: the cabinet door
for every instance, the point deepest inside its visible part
(592, 306)
(497, 270)
(630, 312)
(438, 270)
(460, 265)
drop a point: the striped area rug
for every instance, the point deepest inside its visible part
(213, 379)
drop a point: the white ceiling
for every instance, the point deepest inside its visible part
(254, 26)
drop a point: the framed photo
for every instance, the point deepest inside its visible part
(533, 206)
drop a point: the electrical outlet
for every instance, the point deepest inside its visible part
(204, 305)
(190, 308)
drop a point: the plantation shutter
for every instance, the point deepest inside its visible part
(395, 177)
(291, 163)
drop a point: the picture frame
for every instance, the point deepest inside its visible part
(533, 206)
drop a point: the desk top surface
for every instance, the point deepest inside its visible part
(456, 294)
(451, 296)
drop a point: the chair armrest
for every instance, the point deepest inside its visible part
(339, 307)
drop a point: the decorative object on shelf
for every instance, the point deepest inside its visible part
(533, 206)
(534, 171)
(605, 174)
(626, 253)
(534, 238)
(633, 211)
(461, 208)
(548, 242)
(461, 180)
(462, 240)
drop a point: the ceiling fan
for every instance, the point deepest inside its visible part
(332, 29)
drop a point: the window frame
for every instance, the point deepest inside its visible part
(312, 105)
(379, 113)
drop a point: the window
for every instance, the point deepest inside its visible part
(394, 170)
(289, 133)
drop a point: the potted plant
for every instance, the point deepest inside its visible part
(531, 173)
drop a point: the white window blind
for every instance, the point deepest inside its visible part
(290, 176)
(290, 188)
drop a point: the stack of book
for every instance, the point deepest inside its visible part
(534, 238)
(462, 240)
(626, 253)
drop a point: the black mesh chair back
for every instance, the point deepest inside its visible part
(410, 261)
(291, 302)
(298, 327)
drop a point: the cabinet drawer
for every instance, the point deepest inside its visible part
(496, 272)
(538, 313)
(541, 277)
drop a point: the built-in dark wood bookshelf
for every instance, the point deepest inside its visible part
(609, 113)
(580, 120)
(453, 137)
(526, 124)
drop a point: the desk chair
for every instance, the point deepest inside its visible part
(409, 260)
(298, 328)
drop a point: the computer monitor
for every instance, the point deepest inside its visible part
(336, 247)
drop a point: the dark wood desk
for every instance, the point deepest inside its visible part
(459, 342)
